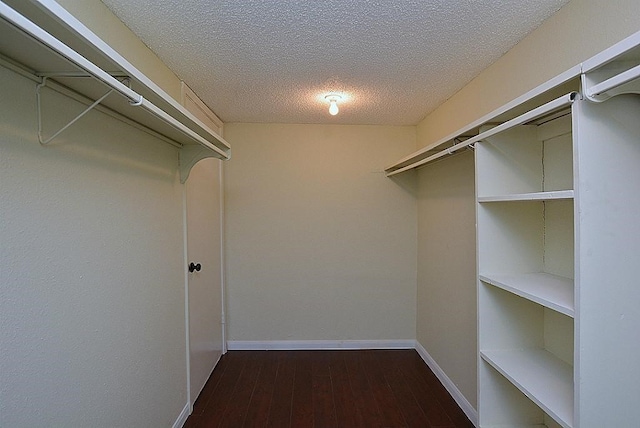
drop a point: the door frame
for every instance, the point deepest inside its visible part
(223, 323)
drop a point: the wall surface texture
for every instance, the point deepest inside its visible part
(446, 285)
(92, 325)
(320, 245)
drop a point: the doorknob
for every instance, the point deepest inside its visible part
(193, 266)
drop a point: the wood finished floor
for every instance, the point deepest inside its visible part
(323, 389)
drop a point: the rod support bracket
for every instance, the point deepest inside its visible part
(39, 87)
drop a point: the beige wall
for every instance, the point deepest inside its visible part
(92, 325)
(92, 308)
(446, 261)
(446, 303)
(320, 245)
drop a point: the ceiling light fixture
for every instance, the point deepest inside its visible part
(333, 103)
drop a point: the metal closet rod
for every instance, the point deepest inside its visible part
(613, 82)
(73, 57)
(536, 113)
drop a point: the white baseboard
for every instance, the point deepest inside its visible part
(291, 345)
(179, 423)
(464, 404)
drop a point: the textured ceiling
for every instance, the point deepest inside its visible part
(272, 61)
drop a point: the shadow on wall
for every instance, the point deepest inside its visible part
(408, 181)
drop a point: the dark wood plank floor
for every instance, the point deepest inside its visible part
(323, 389)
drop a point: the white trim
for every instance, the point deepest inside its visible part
(464, 404)
(182, 418)
(612, 53)
(223, 263)
(185, 257)
(187, 93)
(282, 345)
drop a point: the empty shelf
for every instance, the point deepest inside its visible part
(537, 196)
(551, 291)
(544, 378)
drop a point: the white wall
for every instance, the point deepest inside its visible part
(320, 245)
(578, 31)
(92, 326)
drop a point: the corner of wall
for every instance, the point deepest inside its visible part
(464, 404)
(182, 417)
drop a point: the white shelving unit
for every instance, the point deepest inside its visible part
(42, 41)
(526, 268)
(558, 246)
(558, 239)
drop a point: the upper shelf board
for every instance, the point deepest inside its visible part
(565, 83)
(614, 71)
(46, 40)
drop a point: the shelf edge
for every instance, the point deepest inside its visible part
(547, 303)
(491, 360)
(535, 196)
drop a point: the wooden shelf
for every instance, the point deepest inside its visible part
(537, 196)
(551, 291)
(543, 378)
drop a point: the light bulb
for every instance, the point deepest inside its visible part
(333, 103)
(333, 107)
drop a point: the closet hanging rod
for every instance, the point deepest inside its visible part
(38, 34)
(612, 83)
(22, 71)
(536, 113)
(56, 46)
